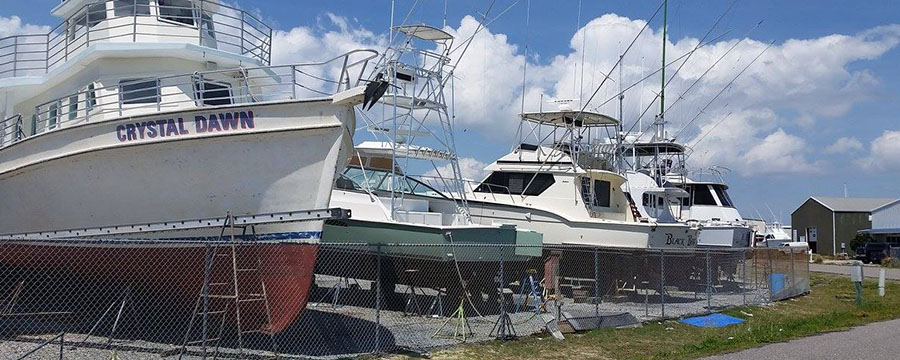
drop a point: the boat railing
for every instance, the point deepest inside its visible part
(205, 23)
(11, 130)
(201, 89)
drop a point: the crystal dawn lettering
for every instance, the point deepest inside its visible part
(210, 123)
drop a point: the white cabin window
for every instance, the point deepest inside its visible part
(131, 7)
(135, 91)
(180, 11)
(212, 93)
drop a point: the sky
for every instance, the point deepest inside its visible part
(819, 109)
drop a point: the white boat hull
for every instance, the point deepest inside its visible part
(725, 236)
(559, 230)
(98, 175)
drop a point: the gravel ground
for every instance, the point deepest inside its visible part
(327, 331)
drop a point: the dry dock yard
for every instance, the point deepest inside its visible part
(397, 310)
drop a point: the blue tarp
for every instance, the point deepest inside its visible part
(712, 321)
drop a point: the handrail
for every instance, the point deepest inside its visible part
(228, 28)
(200, 89)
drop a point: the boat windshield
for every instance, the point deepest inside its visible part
(355, 178)
(723, 195)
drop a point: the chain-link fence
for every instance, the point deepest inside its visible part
(180, 299)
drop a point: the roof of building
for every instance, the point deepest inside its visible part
(846, 204)
(885, 206)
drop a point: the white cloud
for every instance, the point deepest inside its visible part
(845, 145)
(884, 153)
(309, 44)
(471, 169)
(809, 79)
(779, 153)
(13, 25)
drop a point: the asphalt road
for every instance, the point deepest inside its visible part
(868, 271)
(878, 341)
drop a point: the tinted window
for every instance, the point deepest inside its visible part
(723, 195)
(73, 107)
(686, 201)
(53, 116)
(213, 93)
(131, 7)
(91, 97)
(601, 193)
(703, 196)
(181, 11)
(514, 183)
(96, 13)
(138, 92)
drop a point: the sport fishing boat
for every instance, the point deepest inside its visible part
(676, 196)
(418, 226)
(152, 112)
(570, 195)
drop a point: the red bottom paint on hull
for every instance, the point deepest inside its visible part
(176, 272)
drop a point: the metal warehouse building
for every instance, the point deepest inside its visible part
(886, 223)
(827, 222)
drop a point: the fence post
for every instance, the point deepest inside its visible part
(662, 282)
(793, 275)
(768, 275)
(708, 281)
(596, 287)
(378, 298)
(744, 275)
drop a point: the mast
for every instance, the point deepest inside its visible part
(660, 121)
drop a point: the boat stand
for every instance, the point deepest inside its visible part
(436, 309)
(335, 293)
(412, 301)
(534, 291)
(123, 299)
(461, 327)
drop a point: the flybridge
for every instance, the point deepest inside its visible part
(206, 23)
(176, 127)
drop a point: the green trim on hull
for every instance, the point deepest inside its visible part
(528, 243)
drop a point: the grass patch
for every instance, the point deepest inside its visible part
(829, 307)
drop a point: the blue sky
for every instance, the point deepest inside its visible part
(833, 73)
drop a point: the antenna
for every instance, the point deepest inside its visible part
(845, 189)
(772, 212)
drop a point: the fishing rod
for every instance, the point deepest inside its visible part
(696, 81)
(641, 81)
(710, 68)
(618, 62)
(726, 87)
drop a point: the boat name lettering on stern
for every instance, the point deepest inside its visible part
(672, 240)
(175, 127)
